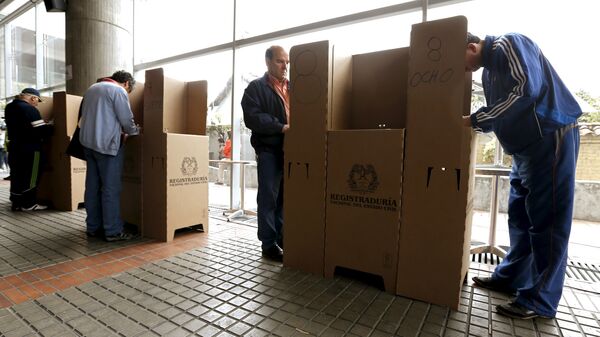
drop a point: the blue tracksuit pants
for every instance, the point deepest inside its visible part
(540, 210)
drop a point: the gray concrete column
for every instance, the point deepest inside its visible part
(99, 41)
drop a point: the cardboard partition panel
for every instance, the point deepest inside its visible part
(304, 157)
(132, 186)
(379, 90)
(63, 183)
(364, 184)
(438, 170)
(131, 178)
(47, 170)
(175, 156)
(187, 181)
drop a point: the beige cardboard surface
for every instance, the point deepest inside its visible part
(340, 90)
(45, 187)
(187, 182)
(175, 157)
(197, 103)
(132, 187)
(436, 211)
(379, 89)
(153, 102)
(64, 180)
(136, 101)
(364, 184)
(131, 178)
(304, 157)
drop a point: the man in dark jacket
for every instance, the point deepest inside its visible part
(266, 113)
(534, 116)
(26, 132)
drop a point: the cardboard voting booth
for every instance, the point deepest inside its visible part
(378, 167)
(175, 156)
(62, 184)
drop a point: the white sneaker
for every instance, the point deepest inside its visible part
(35, 207)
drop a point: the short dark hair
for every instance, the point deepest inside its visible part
(122, 76)
(269, 53)
(472, 38)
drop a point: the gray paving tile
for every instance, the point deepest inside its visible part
(225, 289)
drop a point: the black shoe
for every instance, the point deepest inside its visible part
(119, 237)
(97, 234)
(15, 208)
(515, 310)
(488, 283)
(274, 253)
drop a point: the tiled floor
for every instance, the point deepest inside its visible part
(56, 282)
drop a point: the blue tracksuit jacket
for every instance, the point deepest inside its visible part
(525, 97)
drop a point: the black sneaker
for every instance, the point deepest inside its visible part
(97, 234)
(515, 310)
(274, 253)
(489, 283)
(119, 237)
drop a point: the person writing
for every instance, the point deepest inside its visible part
(26, 131)
(106, 118)
(534, 117)
(266, 112)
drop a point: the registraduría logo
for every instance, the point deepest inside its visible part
(189, 166)
(363, 184)
(189, 170)
(363, 178)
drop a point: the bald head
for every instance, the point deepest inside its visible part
(277, 61)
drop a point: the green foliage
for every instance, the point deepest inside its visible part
(591, 117)
(489, 150)
(594, 102)
(477, 101)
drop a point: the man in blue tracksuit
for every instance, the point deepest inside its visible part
(534, 116)
(266, 112)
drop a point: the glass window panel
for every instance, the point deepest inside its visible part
(52, 28)
(252, 21)
(163, 29)
(2, 68)
(22, 52)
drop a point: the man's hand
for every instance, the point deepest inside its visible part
(285, 128)
(467, 121)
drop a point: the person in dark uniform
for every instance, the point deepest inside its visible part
(26, 132)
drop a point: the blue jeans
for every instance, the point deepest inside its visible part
(540, 210)
(103, 192)
(270, 199)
